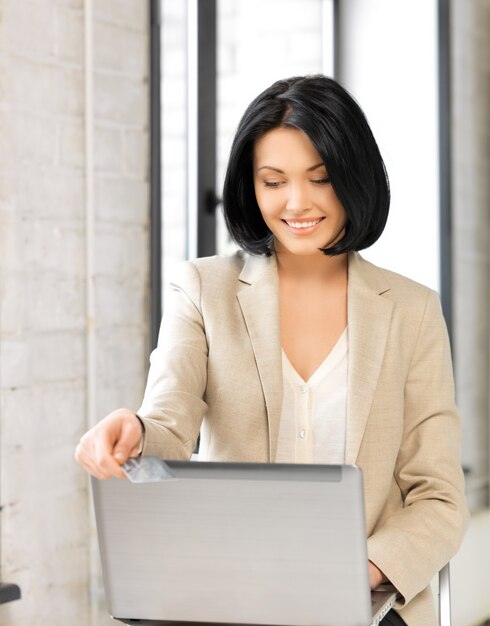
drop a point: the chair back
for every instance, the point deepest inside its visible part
(444, 597)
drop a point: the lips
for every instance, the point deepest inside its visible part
(303, 227)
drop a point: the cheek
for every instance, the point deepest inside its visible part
(269, 202)
(342, 216)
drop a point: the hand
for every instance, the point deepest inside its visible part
(376, 576)
(106, 446)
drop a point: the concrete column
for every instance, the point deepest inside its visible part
(46, 528)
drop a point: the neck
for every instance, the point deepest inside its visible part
(311, 267)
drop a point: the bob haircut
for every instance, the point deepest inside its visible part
(338, 129)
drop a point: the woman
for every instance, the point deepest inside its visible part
(296, 349)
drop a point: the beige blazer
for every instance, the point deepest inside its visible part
(217, 370)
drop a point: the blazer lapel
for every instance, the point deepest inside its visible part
(369, 317)
(259, 301)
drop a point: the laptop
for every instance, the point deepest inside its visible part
(236, 543)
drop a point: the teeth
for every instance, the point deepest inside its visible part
(303, 224)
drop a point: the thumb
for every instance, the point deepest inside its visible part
(128, 440)
(120, 455)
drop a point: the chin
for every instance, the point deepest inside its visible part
(300, 250)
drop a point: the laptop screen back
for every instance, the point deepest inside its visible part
(236, 543)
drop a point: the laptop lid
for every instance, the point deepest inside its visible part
(236, 543)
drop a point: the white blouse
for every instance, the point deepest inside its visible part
(313, 417)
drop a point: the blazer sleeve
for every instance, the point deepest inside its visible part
(419, 538)
(173, 406)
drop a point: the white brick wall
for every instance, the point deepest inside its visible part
(46, 526)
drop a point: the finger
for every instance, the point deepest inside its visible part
(129, 440)
(104, 474)
(84, 456)
(103, 455)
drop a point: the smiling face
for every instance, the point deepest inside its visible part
(294, 194)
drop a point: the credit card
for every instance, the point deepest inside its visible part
(146, 469)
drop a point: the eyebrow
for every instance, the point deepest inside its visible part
(276, 169)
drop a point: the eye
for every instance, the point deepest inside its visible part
(321, 181)
(273, 184)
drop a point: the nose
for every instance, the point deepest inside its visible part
(298, 199)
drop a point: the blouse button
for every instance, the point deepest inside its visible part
(302, 434)
(304, 388)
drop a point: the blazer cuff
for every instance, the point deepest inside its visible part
(143, 432)
(159, 441)
(391, 562)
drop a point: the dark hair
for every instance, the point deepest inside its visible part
(338, 129)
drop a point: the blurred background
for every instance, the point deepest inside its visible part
(116, 119)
